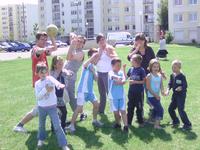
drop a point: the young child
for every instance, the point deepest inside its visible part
(136, 90)
(154, 85)
(47, 102)
(62, 75)
(178, 84)
(85, 91)
(116, 93)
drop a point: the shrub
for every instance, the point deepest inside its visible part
(169, 37)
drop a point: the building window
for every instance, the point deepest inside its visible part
(117, 28)
(62, 4)
(178, 18)
(126, 9)
(193, 16)
(133, 27)
(63, 13)
(178, 2)
(126, 27)
(113, 1)
(41, 1)
(109, 28)
(63, 22)
(192, 1)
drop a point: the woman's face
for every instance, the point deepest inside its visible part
(102, 42)
(59, 65)
(139, 42)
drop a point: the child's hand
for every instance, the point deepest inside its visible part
(61, 86)
(124, 66)
(178, 89)
(132, 82)
(49, 88)
(157, 97)
(166, 93)
(68, 72)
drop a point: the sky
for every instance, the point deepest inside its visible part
(5, 2)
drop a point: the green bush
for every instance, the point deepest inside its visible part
(169, 37)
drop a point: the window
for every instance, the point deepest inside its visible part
(117, 28)
(192, 1)
(63, 13)
(62, 5)
(193, 16)
(126, 27)
(109, 28)
(133, 27)
(41, 1)
(63, 22)
(113, 1)
(126, 9)
(178, 18)
(178, 2)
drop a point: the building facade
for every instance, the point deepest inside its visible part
(184, 20)
(17, 21)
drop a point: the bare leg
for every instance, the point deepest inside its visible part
(117, 117)
(124, 117)
(95, 109)
(78, 110)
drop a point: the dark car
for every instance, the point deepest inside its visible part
(18, 46)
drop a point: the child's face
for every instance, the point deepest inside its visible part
(59, 65)
(175, 68)
(155, 68)
(116, 67)
(42, 74)
(134, 63)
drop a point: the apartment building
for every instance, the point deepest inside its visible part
(184, 20)
(17, 21)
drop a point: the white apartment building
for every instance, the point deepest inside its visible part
(184, 20)
(17, 21)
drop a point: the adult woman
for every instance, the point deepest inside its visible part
(106, 53)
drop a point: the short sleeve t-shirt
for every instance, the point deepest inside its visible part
(42, 58)
(137, 74)
(86, 81)
(115, 91)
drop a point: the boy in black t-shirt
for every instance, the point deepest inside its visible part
(178, 84)
(137, 76)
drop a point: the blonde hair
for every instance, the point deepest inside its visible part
(177, 63)
(138, 58)
(152, 62)
(54, 61)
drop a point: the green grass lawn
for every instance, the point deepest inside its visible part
(17, 97)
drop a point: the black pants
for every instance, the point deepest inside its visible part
(135, 100)
(62, 113)
(178, 101)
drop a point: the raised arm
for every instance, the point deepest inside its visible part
(53, 47)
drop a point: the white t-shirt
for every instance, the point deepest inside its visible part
(45, 99)
(163, 44)
(104, 64)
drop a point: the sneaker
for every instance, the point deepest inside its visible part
(125, 129)
(40, 143)
(19, 129)
(83, 116)
(65, 148)
(116, 125)
(187, 127)
(71, 128)
(97, 123)
(174, 125)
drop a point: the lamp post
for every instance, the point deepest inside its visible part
(86, 26)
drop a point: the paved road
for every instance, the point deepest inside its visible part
(22, 55)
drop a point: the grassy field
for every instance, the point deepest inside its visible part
(17, 97)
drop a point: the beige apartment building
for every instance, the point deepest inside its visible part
(184, 20)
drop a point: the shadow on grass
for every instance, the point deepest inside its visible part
(50, 142)
(189, 134)
(148, 133)
(90, 139)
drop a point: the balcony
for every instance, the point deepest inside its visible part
(89, 15)
(148, 1)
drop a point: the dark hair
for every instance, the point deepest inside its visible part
(40, 67)
(55, 59)
(39, 34)
(99, 37)
(115, 60)
(141, 36)
(137, 58)
(92, 51)
(83, 38)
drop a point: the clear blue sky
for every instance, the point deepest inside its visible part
(5, 2)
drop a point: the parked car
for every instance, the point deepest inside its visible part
(61, 44)
(5, 45)
(18, 46)
(115, 38)
(32, 43)
(23, 46)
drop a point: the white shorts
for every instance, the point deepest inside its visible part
(84, 97)
(117, 104)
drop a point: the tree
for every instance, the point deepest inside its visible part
(163, 15)
(35, 29)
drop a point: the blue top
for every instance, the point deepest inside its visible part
(155, 83)
(86, 80)
(115, 91)
(137, 74)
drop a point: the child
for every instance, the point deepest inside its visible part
(62, 75)
(116, 93)
(179, 85)
(85, 90)
(162, 52)
(47, 101)
(136, 90)
(154, 85)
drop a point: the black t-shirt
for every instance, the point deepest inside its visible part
(149, 54)
(137, 74)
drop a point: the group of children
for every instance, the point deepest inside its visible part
(50, 88)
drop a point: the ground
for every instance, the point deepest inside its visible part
(17, 97)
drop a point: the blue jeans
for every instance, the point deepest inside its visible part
(52, 112)
(158, 111)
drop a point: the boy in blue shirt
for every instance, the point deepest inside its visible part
(85, 90)
(116, 93)
(137, 75)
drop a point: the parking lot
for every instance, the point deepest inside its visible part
(22, 55)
